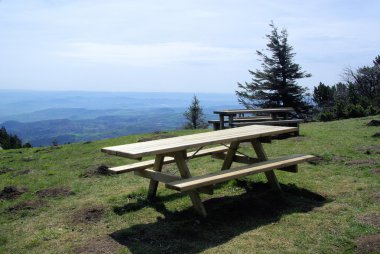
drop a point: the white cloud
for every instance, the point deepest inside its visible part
(210, 43)
(157, 54)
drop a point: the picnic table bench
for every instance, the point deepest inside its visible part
(261, 116)
(174, 150)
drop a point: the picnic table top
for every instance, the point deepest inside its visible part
(257, 110)
(154, 147)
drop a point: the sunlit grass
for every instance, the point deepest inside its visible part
(318, 213)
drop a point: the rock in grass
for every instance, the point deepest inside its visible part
(373, 123)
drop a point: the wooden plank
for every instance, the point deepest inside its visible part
(222, 176)
(252, 119)
(269, 122)
(253, 111)
(167, 160)
(137, 150)
(167, 178)
(157, 176)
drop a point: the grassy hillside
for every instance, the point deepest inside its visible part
(54, 200)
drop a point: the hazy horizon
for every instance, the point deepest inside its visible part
(38, 117)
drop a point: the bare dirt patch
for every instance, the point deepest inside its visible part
(339, 159)
(156, 137)
(22, 172)
(372, 219)
(47, 149)
(362, 162)
(27, 159)
(299, 138)
(43, 150)
(12, 192)
(102, 170)
(54, 192)
(89, 214)
(376, 197)
(368, 244)
(373, 123)
(370, 149)
(334, 159)
(4, 170)
(28, 205)
(99, 246)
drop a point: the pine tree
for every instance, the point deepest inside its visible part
(8, 141)
(194, 115)
(275, 85)
(324, 96)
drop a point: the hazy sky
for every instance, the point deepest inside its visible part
(175, 45)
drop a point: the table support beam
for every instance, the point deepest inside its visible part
(221, 120)
(180, 159)
(270, 175)
(153, 184)
(230, 155)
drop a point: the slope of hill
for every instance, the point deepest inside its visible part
(54, 200)
(42, 133)
(66, 117)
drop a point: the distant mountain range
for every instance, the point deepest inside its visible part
(65, 117)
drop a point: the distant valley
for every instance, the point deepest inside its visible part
(65, 117)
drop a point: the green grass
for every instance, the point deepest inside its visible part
(319, 213)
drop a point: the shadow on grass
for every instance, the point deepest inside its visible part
(228, 217)
(157, 203)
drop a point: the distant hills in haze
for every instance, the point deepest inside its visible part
(41, 117)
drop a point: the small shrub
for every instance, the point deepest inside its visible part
(371, 110)
(326, 116)
(340, 110)
(355, 111)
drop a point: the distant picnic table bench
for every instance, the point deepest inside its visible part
(261, 116)
(174, 150)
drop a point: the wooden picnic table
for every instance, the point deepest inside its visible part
(174, 150)
(239, 114)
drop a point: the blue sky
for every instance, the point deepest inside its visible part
(175, 45)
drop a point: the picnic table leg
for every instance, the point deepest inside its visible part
(158, 163)
(230, 155)
(221, 121)
(230, 121)
(270, 175)
(180, 159)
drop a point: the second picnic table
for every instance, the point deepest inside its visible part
(238, 117)
(174, 150)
